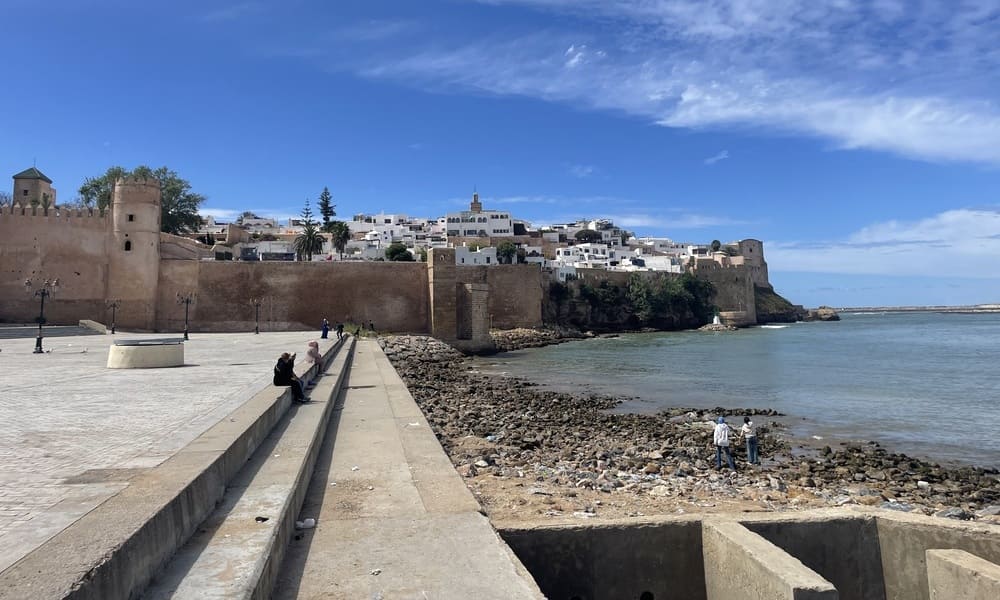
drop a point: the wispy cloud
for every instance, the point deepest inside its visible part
(581, 171)
(676, 222)
(232, 12)
(954, 243)
(881, 75)
(714, 159)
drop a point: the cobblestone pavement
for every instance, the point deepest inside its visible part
(75, 432)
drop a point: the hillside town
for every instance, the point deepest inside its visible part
(480, 236)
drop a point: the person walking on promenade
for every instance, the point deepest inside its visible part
(371, 325)
(340, 330)
(749, 433)
(721, 440)
(325, 328)
(284, 375)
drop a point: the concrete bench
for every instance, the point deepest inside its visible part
(152, 353)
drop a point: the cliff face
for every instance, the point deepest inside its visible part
(772, 308)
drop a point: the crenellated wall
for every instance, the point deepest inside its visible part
(70, 245)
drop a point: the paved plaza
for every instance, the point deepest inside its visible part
(75, 432)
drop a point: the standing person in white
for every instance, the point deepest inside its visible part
(749, 432)
(721, 439)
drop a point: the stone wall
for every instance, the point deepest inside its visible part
(65, 244)
(734, 289)
(296, 295)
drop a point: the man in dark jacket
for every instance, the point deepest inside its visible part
(284, 375)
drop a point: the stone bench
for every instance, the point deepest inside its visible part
(151, 353)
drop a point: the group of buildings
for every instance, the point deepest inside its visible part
(476, 235)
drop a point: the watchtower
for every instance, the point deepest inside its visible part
(31, 186)
(134, 252)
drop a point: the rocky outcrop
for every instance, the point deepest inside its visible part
(514, 339)
(823, 313)
(772, 308)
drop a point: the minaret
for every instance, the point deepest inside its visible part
(476, 206)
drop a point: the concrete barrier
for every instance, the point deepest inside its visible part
(613, 561)
(904, 539)
(114, 550)
(742, 564)
(842, 546)
(958, 575)
(146, 354)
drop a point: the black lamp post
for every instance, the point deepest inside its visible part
(256, 302)
(114, 305)
(44, 290)
(186, 299)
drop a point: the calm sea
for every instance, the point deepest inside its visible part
(926, 384)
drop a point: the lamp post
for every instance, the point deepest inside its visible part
(44, 290)
(186, 299)
(256, 302)
(114, 305)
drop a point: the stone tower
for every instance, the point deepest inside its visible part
(134, 252)
(31, 186)
(476, 206)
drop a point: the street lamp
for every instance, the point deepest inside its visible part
(114, 305)
(186, 299)
(255, 303)
(46, 288)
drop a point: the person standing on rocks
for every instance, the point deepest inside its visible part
(721, 440)
(749, 433)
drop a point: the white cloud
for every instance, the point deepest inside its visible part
(955, 243)
(714, 159)
(865, 75)
(680, 221)
(582, 171)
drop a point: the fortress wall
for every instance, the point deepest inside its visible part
(67, 244)
(733, 287)
(294, 295)
(515, 293)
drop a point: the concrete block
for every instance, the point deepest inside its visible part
(146, 356)
(742, 564)
(958, 575)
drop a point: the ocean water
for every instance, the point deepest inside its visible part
(926, 384)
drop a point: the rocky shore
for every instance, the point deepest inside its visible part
(533, 454)
(506, 340)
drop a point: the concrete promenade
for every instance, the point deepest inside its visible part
(394, 518)
(75, 432)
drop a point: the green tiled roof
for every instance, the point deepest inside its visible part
(32, 173)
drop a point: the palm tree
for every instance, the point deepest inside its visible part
(310, 241)
(340, 234)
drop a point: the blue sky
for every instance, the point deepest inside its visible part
(860, 140)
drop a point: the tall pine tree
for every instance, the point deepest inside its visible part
(327, 209)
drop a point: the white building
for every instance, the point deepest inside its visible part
(468, 257)
(477, 222)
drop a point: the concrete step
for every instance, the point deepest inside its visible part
(236, 552)
(114, 550)
(400, 522)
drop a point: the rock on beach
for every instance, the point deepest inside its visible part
(500, 430)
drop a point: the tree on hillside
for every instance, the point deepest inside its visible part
(309, 242)
(247, 214)
(5, 199)
(506, 251)
(178, 204)
(340, 234)
(397, 252)
(716, 244)
(326, 209)
(588, 235)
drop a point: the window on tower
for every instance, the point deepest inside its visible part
(128, 245)
(131, 218)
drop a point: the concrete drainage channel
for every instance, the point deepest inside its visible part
(824, 555)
